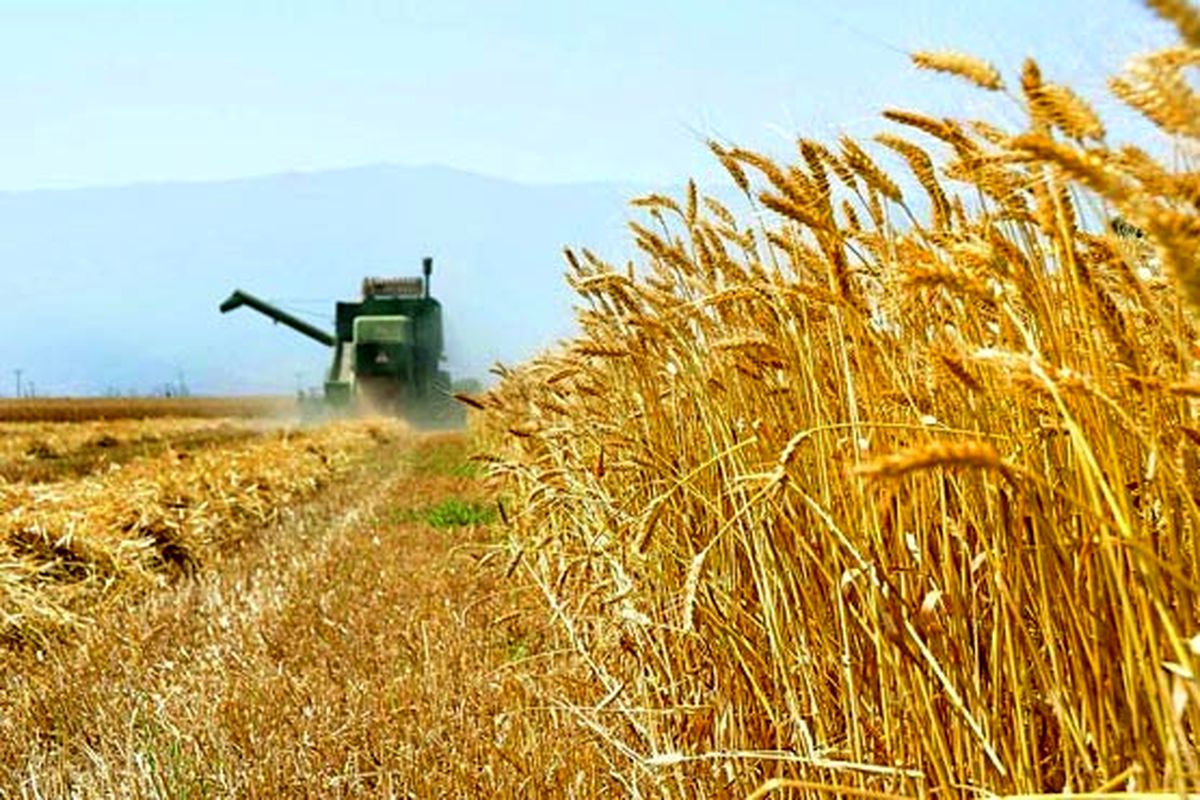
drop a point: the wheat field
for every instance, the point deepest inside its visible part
(885, 482)
(81, 409)
(72, 546)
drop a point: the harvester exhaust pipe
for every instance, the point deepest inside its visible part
(427, 268)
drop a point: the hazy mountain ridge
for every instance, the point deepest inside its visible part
(117, 288)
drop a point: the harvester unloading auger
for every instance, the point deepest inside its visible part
(387, 349)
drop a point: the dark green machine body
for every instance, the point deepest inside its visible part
(387, 349)
(395, 344)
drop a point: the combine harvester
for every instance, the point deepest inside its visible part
(387, 349)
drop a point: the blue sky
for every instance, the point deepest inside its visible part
(103, 92)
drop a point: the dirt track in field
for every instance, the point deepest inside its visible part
(356, 650)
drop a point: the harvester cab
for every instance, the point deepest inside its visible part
(387, 349)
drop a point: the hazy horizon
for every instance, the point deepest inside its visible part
(119, 286)
(249, 177)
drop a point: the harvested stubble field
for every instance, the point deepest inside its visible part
(69, 546)
(886, 483)
(79, 409)
(46, 451)
(318, 612)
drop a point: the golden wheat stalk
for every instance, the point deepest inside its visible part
(1183, 14)
(868, 170)
(1158, 89)
(977, 455)
(968, 67)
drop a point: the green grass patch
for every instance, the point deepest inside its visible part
(452, 513)
(517, 647)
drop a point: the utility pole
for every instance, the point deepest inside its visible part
(18, 373)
